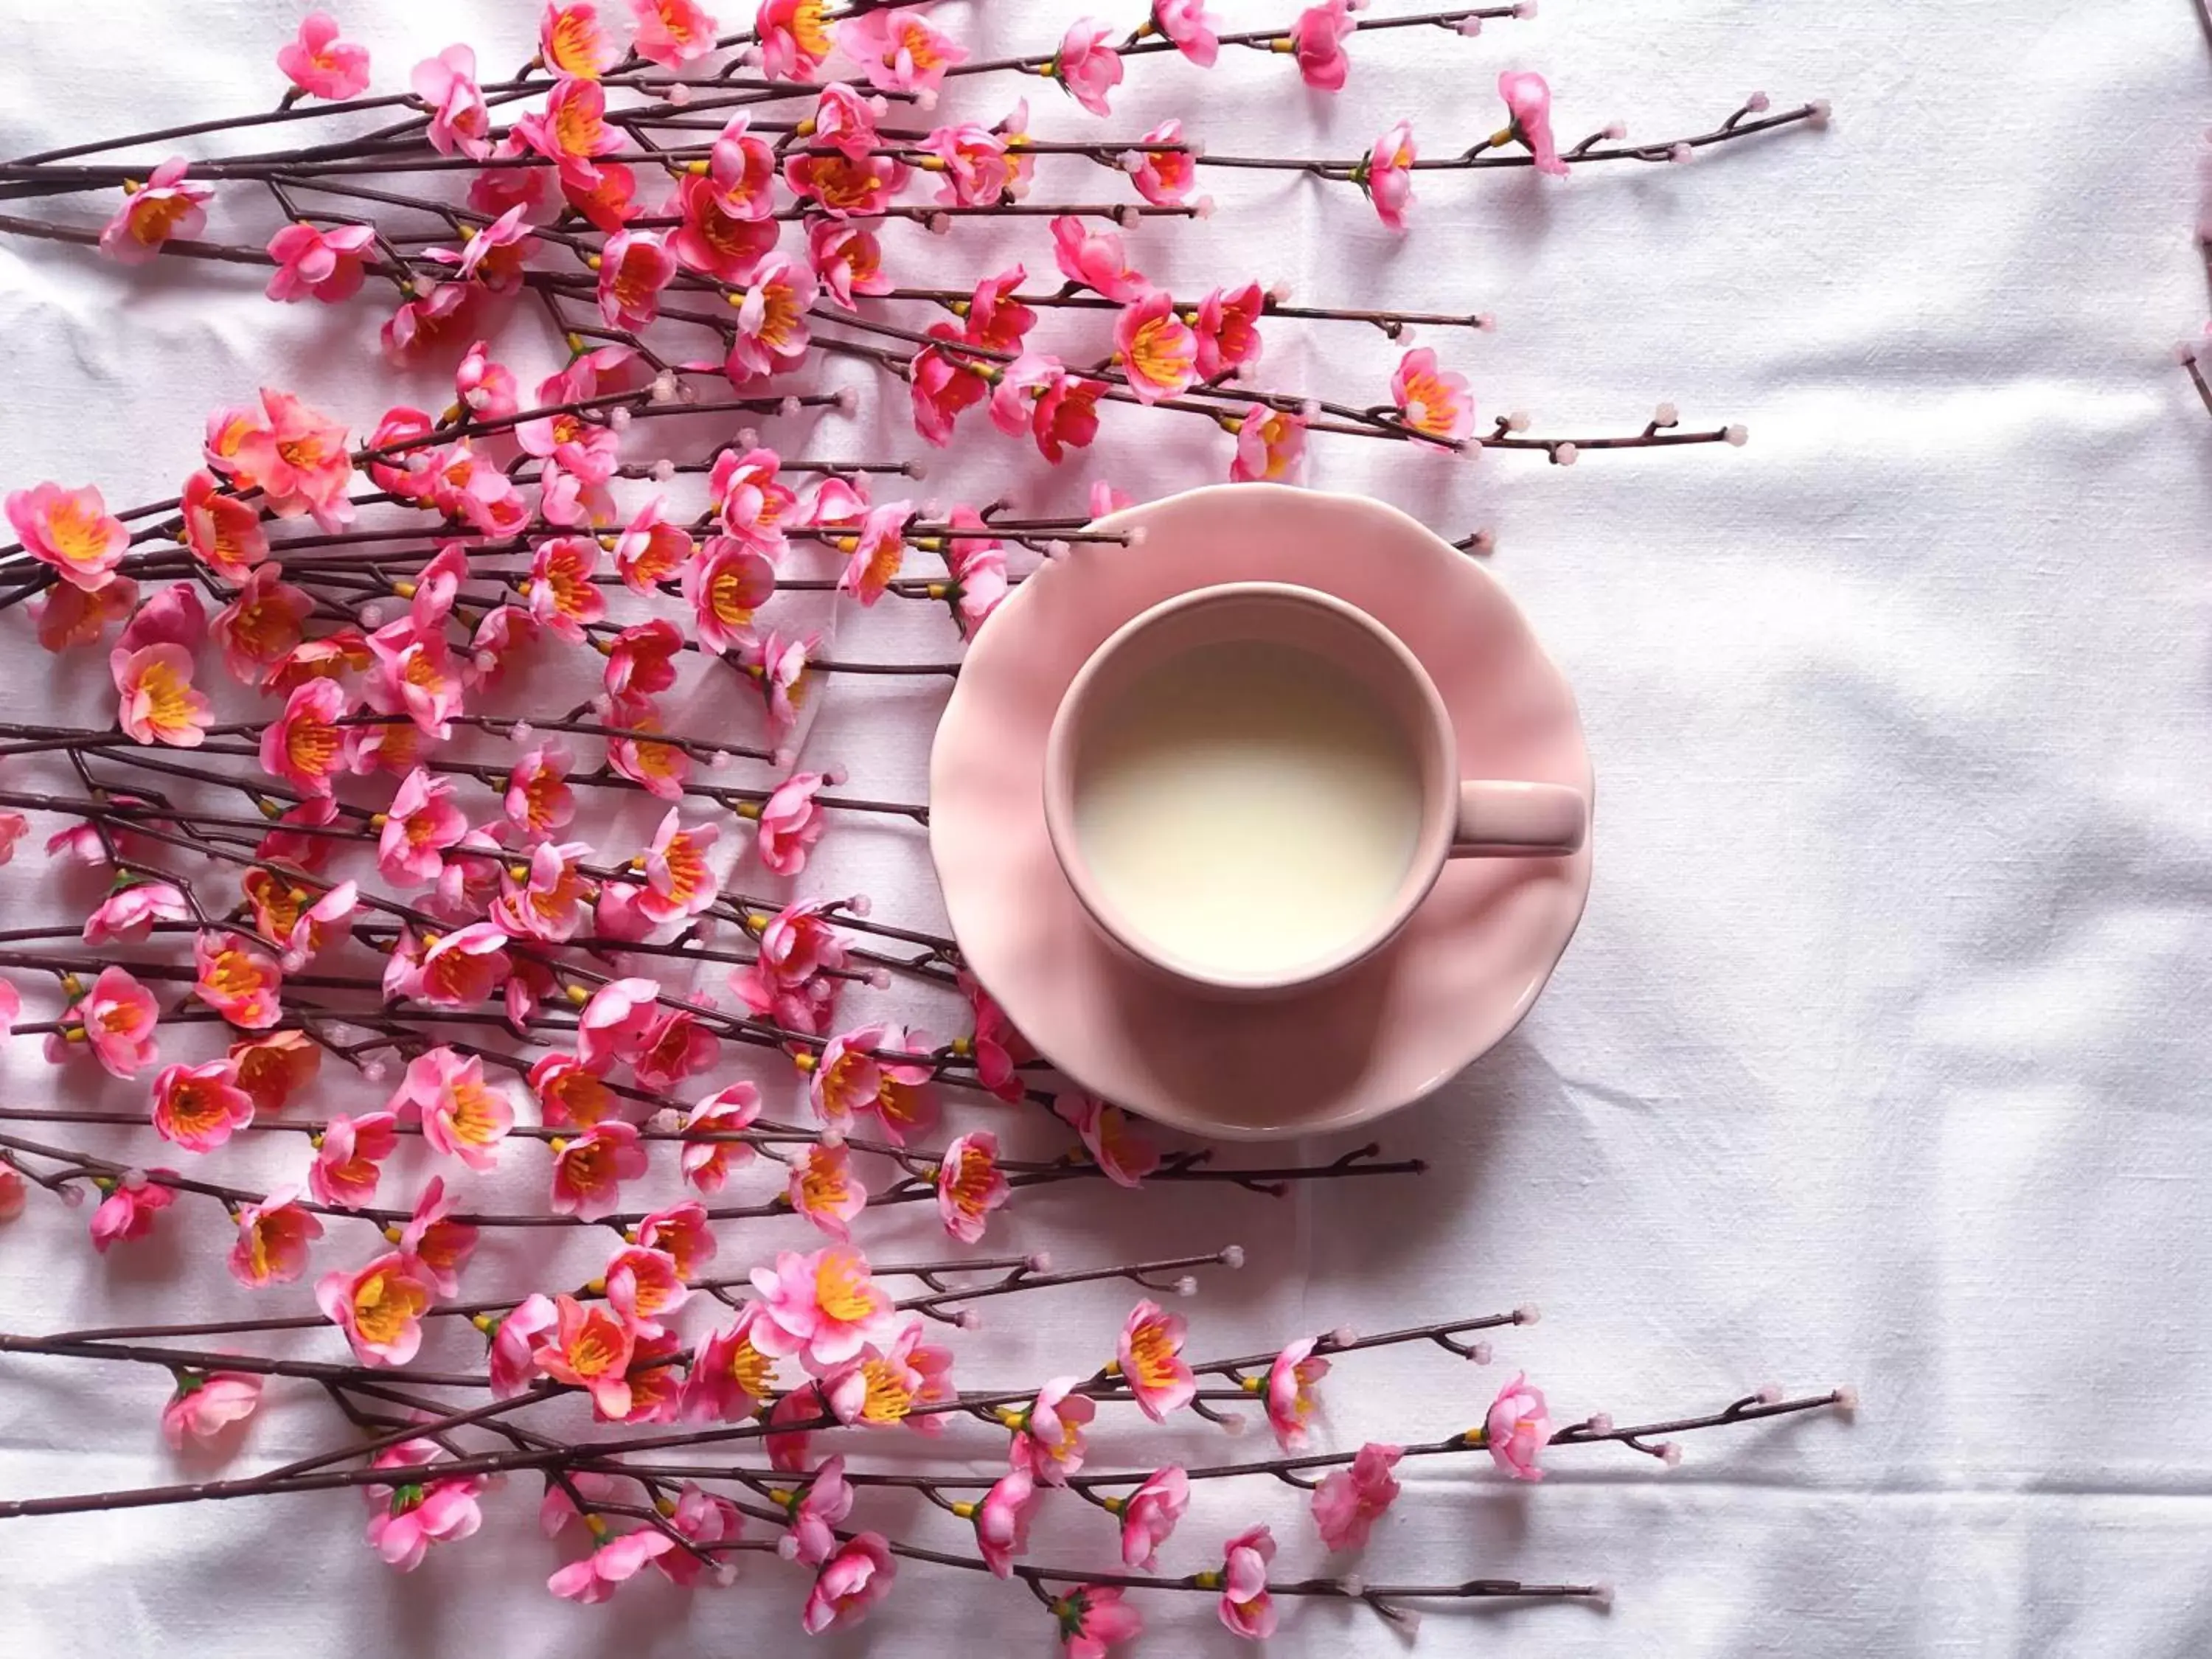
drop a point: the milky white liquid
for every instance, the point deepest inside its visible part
(1249, 806)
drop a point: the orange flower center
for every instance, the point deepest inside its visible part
(687, 871)
(1151, 1357)
(234, 973)
(576, 127)
(574, 46)
(823, 1186)
(842, 1290)
(311, 746)
(889, 1399)
(384, 1305)
(1162, 352)
(153, 222)
(79, 534)
(809, 30)
(476, 1113)
(751, 1369)
(196, 1108)
(971, 1181)
(597, 1349)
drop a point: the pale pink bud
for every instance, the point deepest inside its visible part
(1665, 414)
(1483, 321)
(520, 733)
(678, 93)
(834, 777)
(916, 469)
(1670, 1453)
(1040, 1261)
(1770, 1394)
(1820, 116)
(1202, 208)
(1847, 1399)
(1055, 549)
(663, 469)
(880, 979)
(1756, 103)
(789, 407)
(1616, 131)
(1344, 1336)
(849, 399)
(1517, 420)
(1126, 215)
(1353, 1585)
(1565, 455)
(1600, 1422)
(1137, 534)
(1481, 1354)
(1525, 10)
(1232, 1256)
(969, 1320)
(1600, 1596)
(939, 224)
(1469, 26)
(1528, 1314)
(618, 418)
(1736, 436)
(858, 905)
(1186, 1285)
(784, 759)
(1678, 152)
(1232, 1424)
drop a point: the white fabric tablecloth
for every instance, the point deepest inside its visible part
(1880, 1055)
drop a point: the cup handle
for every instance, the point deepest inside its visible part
(1500, 818)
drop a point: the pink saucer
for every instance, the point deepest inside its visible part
(1449, 987)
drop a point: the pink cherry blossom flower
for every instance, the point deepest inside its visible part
(69, 530)
(344, 1174)
(14, 826)
(129, 914)
(408, 1516)
(552, 901)
(305, 746)
(724, 585)
(275, 1067)
(707, 1163)
(1149, 1353)
(1093, 259)
(847, 259)
(676, 1047)
(969, 1185)
(683, 1233)
(715, 239)
(463, 967)
(117, 1015)
(791, 822)
(485, 388)
(589, 1170)
(239, 981)
(1002, 1522)
(878, 553)
(425, 326)
(1431, 400)
(679, 880)
(159, 704)
(1165, 177)
(440, 1247)
(322, 264)
(615, 1021)
(206, 1403)
(777, 663)
(1156, 349)
(794, 38)
(1149, 1514)
(651, 550)
(1191, 27)
(1125, 1156)
(975, 572)
(672, 33)
(634, 267)
(564, 598)
(422, 822)
(1317, 42)
(599, 1574)
(589, 1349)
(259, 630)
(1246, 1607)
(1086, 66)
(976, 170)
(166, 205)
(174, 615)
(996, 1048)
(69, 616)
(198, 1107)
(821, 1307)
(1228, 331)
(1092, 1619)
(943, 384)
(458, 120)
(320, 64)
(223, 532)
(1349, 1501)
(1290, 1398)
(846, 1076)
(1517, 1427)
(852, 1581)
(128, 1211)
(771, 333)
(493, 255)
(752, 504)
(704, 1518)
(641, 660)
(14, 1191)
(462, 1115)
(570, 1092)
(298, 458)
(273, 1237)
(379, 1307)
(1386, 177)
(1271, 445)
(573, 43)
(511, 1361)
(815, 1512)
(729, 1377)
(900, 50)
(825, 1188)
(1529, 97)
(642, 1284)
(538, 800)
(1048, 1445)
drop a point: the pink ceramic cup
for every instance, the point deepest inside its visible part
(1460, 818)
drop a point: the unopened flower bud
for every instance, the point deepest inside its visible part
(1138, 534)
(1279, 292)
(372, 615)
(1679, 153)
(1517, 420)
(1736, 436)
(372, 1071)
(1525, 10)
(1055, 549)
(1126, 215)
(1600, 1422)
(1040, 1261)
(784, 758)
(1616, 131)
(1353, 1585)
(663, 390)
(832, 1139)
(939, 224)
(618, 418)
(1186, 1285)
(1666, 415)
(1820, 116)
(1528, 1314)
(134, 1180)
(789, 406)
(1670, 1453)
(1483, 322)
(1847, 1399)
(849, 399)
(880, 979)
(521, 732)
(1344, 1336)
(1480, 1353)
(1756, 103)
(834, 777)
(1565, 455)
(663, 469)
(1232, 1256)
(1770, 1394)
(747, 437)
(1601, 1596)
(1202, 208)
(1232, 1423)
(787, 1547)
(969, 1320)
(858, 905)
(1469, 26)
